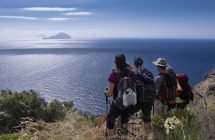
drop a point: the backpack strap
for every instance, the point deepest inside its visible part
(147, 75)
(166, 86)
(129, 74)
(116, 75)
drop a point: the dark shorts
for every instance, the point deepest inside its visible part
(171, 106)
(181, 105)
(114, 113)
(146, 109)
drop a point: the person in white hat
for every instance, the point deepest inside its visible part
(165, 84)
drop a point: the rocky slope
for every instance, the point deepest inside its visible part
(207, 86)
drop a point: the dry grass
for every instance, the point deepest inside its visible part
(74, 126)
(78, 127)
(205, 110)
(205, 113)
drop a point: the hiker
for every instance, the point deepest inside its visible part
(115, 88)
(165, 84)
(186, 94)
(180, 103)
(145, 89)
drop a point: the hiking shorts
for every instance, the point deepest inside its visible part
(171, 106)
(146, 109)
(113, 114)
(181, 105)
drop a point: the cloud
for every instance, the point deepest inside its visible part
(19, 17)
(59, 19)
(35, 18)
(49, 9)
(78, 13)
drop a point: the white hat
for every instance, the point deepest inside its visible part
(160, 62)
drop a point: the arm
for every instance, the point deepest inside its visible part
(157, 85)
(110, 89)
(178, 89)
(111, 83)
(146, 76)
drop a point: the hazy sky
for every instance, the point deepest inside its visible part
(24, 19)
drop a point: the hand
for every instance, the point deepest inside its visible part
(106, 91)
(157, 102)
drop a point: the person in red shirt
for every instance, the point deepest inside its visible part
(122, 70)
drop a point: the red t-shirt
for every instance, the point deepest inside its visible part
(114, 78)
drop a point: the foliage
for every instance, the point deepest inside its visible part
(14, 106)
(68, 105)
(14, 136)
(54, 111)
(177, 124)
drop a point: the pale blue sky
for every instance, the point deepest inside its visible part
(23, 19)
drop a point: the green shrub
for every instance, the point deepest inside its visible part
(187, 128)
(14, 136)
(14, 106)
(68, 105)
(54, 111)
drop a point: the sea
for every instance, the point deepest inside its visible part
(77, 70)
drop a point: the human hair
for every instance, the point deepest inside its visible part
(120, 61)
(138, 61)
(162, 67)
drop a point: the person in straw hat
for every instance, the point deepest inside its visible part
(165, 84)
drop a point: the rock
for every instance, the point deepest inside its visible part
(59, 36)
(207, 86)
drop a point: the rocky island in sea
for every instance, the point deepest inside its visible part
(59, 36)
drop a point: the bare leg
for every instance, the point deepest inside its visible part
(110, 133)
(147, 127)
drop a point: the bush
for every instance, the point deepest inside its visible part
(15, 106)
(68, 105)
(165, 126)
(14, 136)
(54, 111)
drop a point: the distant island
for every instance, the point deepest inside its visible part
(59, 36)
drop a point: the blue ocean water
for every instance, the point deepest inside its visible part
(78, 70)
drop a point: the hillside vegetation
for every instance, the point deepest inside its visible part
(25, 115)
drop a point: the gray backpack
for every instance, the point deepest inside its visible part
(126, 93)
